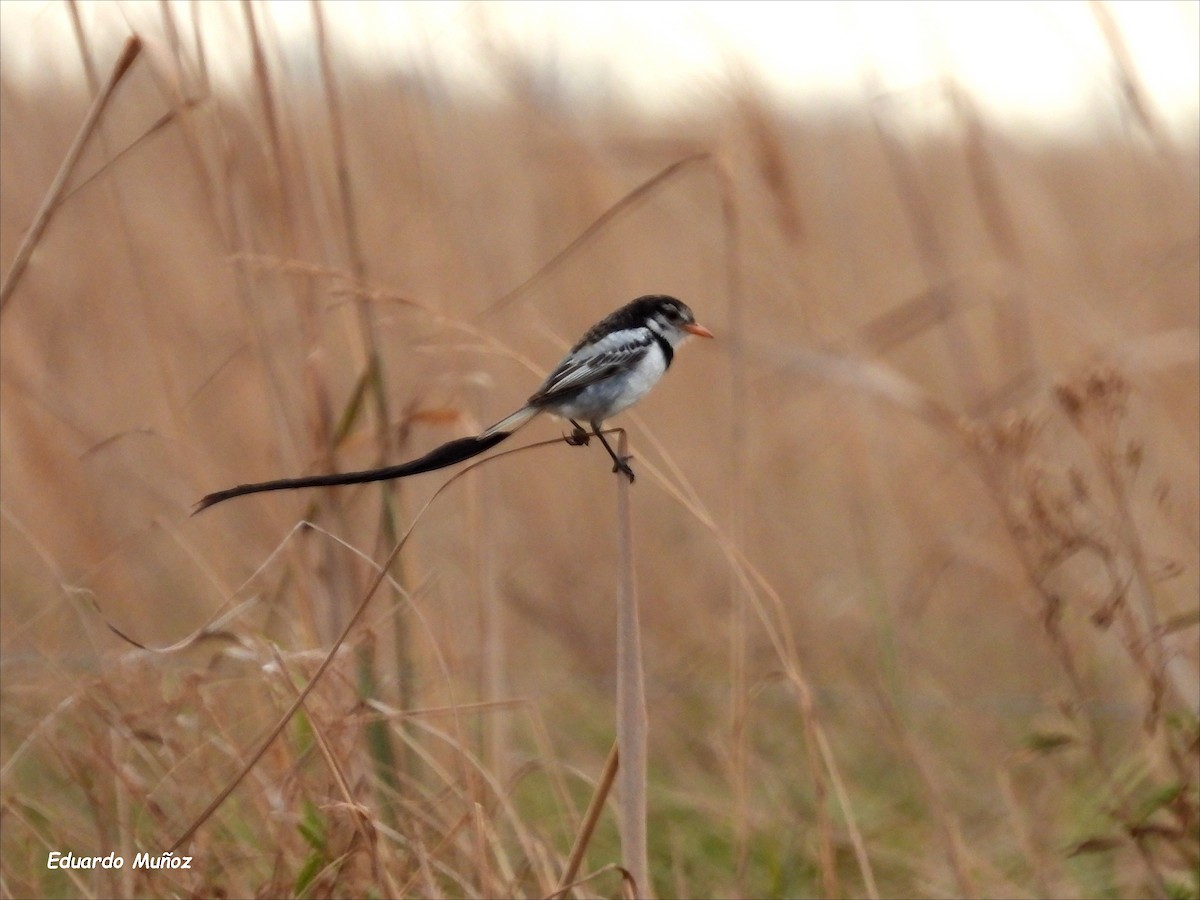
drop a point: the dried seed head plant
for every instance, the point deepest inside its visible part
(1086, 560)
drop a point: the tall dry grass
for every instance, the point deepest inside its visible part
(915, 542)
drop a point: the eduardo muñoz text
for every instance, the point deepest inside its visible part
(68, 860)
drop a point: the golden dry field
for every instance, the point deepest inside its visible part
(915, 539)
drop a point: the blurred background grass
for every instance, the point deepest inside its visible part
(930, 498)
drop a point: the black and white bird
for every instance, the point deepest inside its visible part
(610, 369)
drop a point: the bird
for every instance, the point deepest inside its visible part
(613, 366)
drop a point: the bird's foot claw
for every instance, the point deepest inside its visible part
(622, 465)
(578, 438)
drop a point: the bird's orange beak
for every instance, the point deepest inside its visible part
(698, 330)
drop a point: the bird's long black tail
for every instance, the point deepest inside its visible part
(446, 455)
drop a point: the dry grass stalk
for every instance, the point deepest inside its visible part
(591, 816)
(51, 201)
(632, 722)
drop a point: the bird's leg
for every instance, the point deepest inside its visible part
(620, 463)
(578, 437)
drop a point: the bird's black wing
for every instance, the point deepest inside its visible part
(618, 351)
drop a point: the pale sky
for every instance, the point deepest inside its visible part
(1041, 64)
